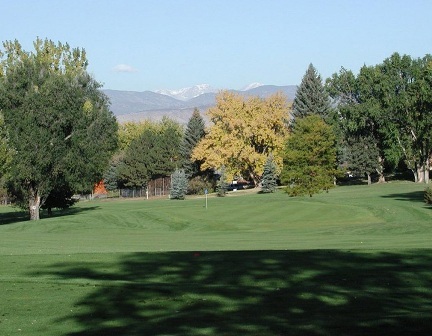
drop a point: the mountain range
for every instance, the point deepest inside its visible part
(179, 104)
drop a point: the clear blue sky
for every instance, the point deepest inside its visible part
(168, 44)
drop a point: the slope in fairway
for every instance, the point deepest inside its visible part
(355, 261)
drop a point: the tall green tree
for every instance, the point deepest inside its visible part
(57, 120)
(363, 154)
(309, 157)
(195, 131)
(269, 176)
(155, 153)
(359, 116)
(311, 96)
(392, 102)
(5, 150)
(406, 98)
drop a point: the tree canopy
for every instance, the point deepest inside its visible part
(391, 103)
(155, 153)
(242, 134)
(309, 157)
(57, 120)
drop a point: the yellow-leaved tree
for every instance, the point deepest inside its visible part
(244, 131)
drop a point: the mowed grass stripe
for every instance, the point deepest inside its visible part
(346, 217)
(355, 261)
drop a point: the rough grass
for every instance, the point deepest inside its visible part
(355, 261)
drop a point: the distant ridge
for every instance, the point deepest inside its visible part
(136, 106)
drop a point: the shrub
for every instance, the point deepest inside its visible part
(428, 195)
(197, 185)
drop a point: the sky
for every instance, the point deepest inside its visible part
(140, 45)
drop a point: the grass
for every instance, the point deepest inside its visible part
(354, 261)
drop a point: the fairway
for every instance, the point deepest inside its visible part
(353, 261)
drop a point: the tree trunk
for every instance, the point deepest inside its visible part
(420, 173)
(381, 178)
(34, 204)
(426, 171)
(369, 179)
(415, 175)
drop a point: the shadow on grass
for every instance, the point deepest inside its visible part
(414, 196)
(15, 215)
(323, 292)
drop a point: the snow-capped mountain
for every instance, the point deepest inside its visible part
(179, 104)
(251, 86)
(189, 92)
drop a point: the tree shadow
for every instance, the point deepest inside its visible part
(413, 196)
(16, 215)
(321, 292)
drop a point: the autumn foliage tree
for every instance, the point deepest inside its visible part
(243, 133)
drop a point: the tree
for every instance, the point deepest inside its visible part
(309, 157)
(5, 150)
(243, 132)
(195, 131)
(222, 185)
(130, 131)
(111, 176)
(360, 118)
(269, 176)
(363, 154)
(311, 96)
(57, 120)
(406, 99)
(391, 102)
(153, 154)
(179, 184)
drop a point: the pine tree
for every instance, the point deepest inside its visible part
(195, 131)
(222, 185)
(269, 177)
(179, 184)
(311, 97)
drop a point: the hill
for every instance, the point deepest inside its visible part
(136, 106)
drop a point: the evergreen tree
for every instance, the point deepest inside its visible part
(222, 185)
(179, 184)
(311, 96)
(111, 175)
(269, 177)
(309, 158)
(195, 131)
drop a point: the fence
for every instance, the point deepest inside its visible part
(156, 188)
(4, 200)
